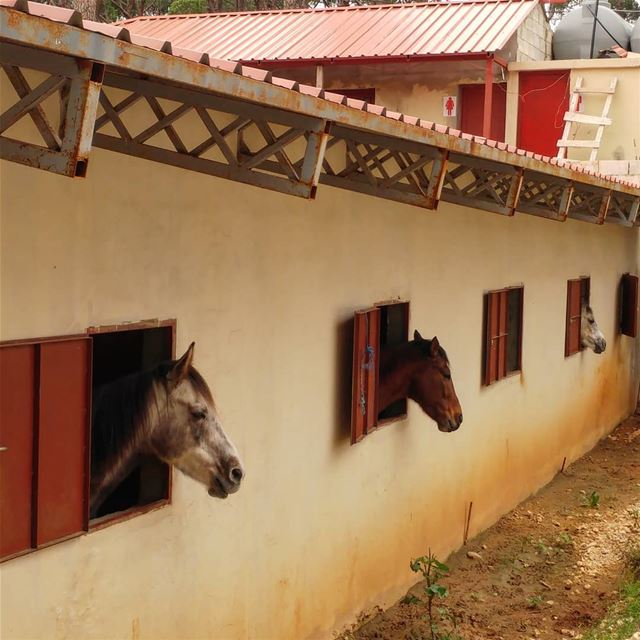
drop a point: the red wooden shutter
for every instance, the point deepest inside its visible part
(496, 336)
(366, 332)
(17, 417)
(629, 305)
(574, 304)
(63, 446)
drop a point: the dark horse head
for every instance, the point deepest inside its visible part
(167, 412)
(420, 370)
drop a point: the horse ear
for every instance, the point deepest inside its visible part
(417, 336)
(180, 369)
(435, 347)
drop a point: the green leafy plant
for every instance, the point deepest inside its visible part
(635, 517)
(564, 539)
(592, 500)
(432, 571)
(535, 602)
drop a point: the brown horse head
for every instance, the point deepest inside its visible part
(431, 385)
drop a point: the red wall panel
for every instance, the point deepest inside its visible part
(543, 101)
(63, 438)
(17, 417)
(472, 109)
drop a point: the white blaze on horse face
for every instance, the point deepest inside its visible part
(590, 335)
(202, 450)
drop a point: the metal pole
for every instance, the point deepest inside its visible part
(593, 32)
(488, 98)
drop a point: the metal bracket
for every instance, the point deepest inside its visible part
(65, 149)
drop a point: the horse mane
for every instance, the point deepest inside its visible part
(411, 351)
(121, 412)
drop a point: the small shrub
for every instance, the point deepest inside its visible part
(592, 500)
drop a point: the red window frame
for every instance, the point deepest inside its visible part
(48, 393)
(578, 292)
(367, 342)
(497, 331)
(629, 305)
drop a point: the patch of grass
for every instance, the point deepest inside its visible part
(535, 602)
(564, 540)
(592, 500)
(622, 619)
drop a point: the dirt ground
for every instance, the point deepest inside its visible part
(550, 568)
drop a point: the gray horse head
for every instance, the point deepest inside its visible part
(590, 335)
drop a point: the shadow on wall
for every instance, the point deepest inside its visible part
(342, 377)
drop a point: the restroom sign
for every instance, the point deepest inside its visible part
(450, 106)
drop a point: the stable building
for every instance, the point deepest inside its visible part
(153, 195)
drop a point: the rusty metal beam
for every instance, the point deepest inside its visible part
(80, 117)
(313, 158)
(67, 150)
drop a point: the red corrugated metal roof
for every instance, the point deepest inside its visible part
(461, 27)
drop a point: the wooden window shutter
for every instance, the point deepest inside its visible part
(18, 413)
(574, 303)
(63, 439)
(495, 363)
(629, 305)
(366, 332)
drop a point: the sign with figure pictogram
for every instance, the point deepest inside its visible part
(450, 106)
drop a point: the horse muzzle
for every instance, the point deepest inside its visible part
(600, 347)
(450, 424)
(223, 485)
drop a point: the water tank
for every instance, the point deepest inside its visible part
(572, 37)
(635, 38)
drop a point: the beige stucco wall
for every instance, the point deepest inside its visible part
(266, 285)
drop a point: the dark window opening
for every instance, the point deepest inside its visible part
(115, 355)
(394, 329)
(503, 311)
(629, 305)
(367, 95)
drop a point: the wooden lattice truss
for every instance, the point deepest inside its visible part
(273, 148)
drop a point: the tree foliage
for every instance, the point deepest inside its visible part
(628, 9)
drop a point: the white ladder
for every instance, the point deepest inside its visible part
(573, 115)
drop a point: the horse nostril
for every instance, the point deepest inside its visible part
(236, 474)
(459, 420)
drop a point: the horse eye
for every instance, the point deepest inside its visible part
(591, 321)
(447, 374)
(198, 414)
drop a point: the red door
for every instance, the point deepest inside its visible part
(543, 101)
(472, 109)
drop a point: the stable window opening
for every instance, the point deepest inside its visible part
(503, 333)
(116, 354)
(578, 294)
(379, 327)
(629, 305)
